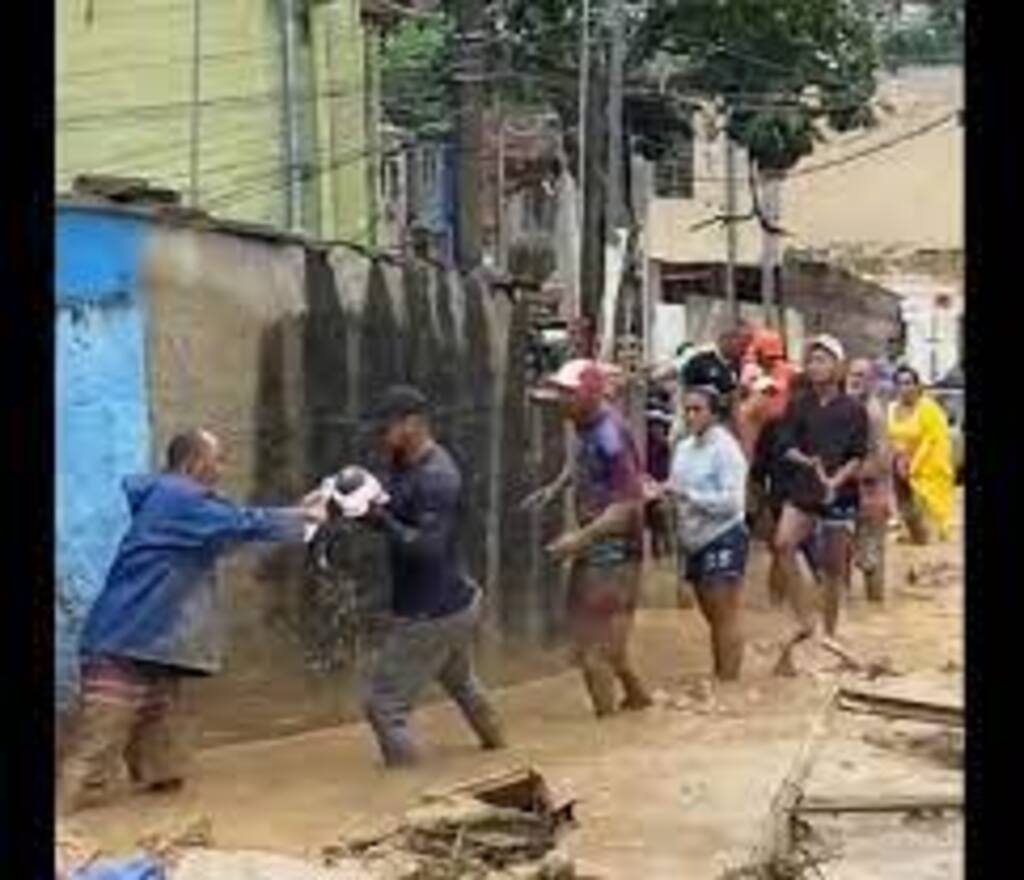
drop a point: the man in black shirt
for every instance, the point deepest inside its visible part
(435, 605)
(822, 440)
(719, 365)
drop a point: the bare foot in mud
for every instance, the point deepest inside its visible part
(636, 704)
(785, 667)
(168, 786)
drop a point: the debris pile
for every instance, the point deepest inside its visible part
(505, 827)
(943, 746)
(499, 828)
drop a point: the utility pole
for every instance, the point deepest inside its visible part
(616, 212)
(470, 20)
(581, 137)
(731, 248)
(293, 169)
(771, 188)
(501, 241)
(193, 176)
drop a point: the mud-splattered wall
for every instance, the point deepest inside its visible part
(102, 412)
(281, 348)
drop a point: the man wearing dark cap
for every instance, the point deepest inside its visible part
(435, 605)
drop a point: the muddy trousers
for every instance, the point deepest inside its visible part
(602, 600)
(415, 653)
(130, 717)
(869, 556)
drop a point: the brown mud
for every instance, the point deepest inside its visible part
(680, 790)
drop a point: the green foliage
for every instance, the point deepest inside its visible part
(416, 81)
(938, 40)
(782, 68)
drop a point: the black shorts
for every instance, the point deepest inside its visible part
(724, 559)
(841, 513)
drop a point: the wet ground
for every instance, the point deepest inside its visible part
(681, 790)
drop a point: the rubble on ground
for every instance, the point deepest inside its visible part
(944, 746)
(501, 828)
(504, 829)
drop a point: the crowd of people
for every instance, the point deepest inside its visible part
(812, 458)
(741, 443)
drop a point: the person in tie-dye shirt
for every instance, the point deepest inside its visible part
(606, 550)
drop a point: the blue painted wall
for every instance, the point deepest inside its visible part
(102, 416)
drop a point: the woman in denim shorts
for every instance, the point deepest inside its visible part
(709, 482)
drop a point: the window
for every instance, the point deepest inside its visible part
(539, 209)
(428, 170)
(391, 173)
(673, 172)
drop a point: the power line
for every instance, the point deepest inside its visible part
(917, 132)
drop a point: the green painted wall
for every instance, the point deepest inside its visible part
(124, 90)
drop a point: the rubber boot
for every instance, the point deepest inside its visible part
(487, 726)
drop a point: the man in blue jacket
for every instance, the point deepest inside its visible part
(157, 619)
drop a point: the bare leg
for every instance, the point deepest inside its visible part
(720, 601)
(776, 582)
(636, 695)
(793, 529)
(835, 572)
(598, 677)
(870, 557)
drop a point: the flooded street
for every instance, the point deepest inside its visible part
(681, 790)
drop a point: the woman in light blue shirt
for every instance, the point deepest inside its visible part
(708, 481)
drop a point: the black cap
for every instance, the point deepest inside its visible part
(398, 402)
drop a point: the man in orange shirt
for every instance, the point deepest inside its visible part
(768, 351)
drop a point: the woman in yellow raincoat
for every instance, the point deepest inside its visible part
(923, 459)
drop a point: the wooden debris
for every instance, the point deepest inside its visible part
(507, 823)
(777, 838)
(900, 804)
(867, 702)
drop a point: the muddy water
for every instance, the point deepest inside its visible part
(678, 791)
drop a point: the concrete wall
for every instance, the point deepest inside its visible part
(818, 298)
(102, 422)
(863, 315)
(281, 348)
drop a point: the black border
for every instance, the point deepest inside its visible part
(28, 584)
(993, 370)
(992, 580)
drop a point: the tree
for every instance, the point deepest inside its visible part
(416, 75)
(782, 70)
(937, 40)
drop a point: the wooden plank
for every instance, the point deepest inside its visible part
(866, 702)
(870, 804)
(776, 839)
